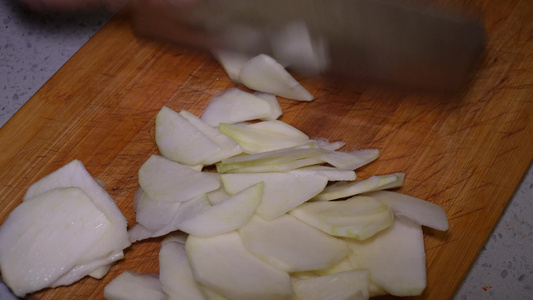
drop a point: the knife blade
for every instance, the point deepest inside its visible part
(383, 41)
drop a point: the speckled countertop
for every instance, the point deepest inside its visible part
(34, 47)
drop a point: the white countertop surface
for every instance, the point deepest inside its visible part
(33, 47)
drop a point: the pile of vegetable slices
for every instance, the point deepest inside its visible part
(250, 207)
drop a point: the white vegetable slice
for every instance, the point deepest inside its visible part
(233, 106)
(227, 216)
(283, 241)
(62, 220)
(231, 62)
(228, 147)
(264, 136)
(262, 73)
(175, 272)
(359, 217)
(74, 174)
(349, 285)
(282, 191)
(395, 258)
(347, 189)
(180, 141)
(417, 210)
(342, 265)
(97, 267)
(273, 161)
(275, 108)
(223, 264)
(153, 215)
(188, 209)
(209, 294)
(131, 285)
(350, 160)
(168, 181)
(331, 173)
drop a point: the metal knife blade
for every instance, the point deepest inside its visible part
(377, 40)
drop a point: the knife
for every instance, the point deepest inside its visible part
(385, 41)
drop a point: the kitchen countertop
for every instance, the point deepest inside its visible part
(33, 47)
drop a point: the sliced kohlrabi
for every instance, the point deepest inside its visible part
(228, 147)
(359, 217)
(347, 189)
(349, 285)
(264, 136)
(130, 285)
(231, 62)
(283, 241)
(61, 220)
(395, 258)
(168, 181)
(175, 272)
(222, 264)
(74, 174)
(262, 73)
(350, 160)
(153, 215)
(417, 210)
(180, 141)
(282, 191)
(282, 160)
(227, 216)
(275, 109)
(331, 173)
(234, 106)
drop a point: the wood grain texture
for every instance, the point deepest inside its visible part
(467, 153)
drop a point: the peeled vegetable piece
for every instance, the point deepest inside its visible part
(222, 264)
(233, 106)
(62, 220)
(186, 210)
(153, 215)
(395, 258)
(231, 62)
(350, 160)
(229, 215)
(350, 285)
(417, 210)
(134, 286)
(109, 248)
(332, 174)
(347, 189)
(180, 141)
(228, 147)
(291, 245)
(168, 181)
(282, 191)
(282, 160)
(275, 109)
(359, 217)
(175, 274)
(264, 136)
(262, 73)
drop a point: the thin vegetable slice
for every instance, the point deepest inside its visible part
(262, 73)
(131, 285)
(349, 285)
(347, 189)
(282, 191)
(264, 136)
(395, 258)
(233, 106)
(282, 241)
(359, 217)
(223, 264)
(350, 160)
(180, 141)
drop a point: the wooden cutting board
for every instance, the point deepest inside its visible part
(466, 152)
